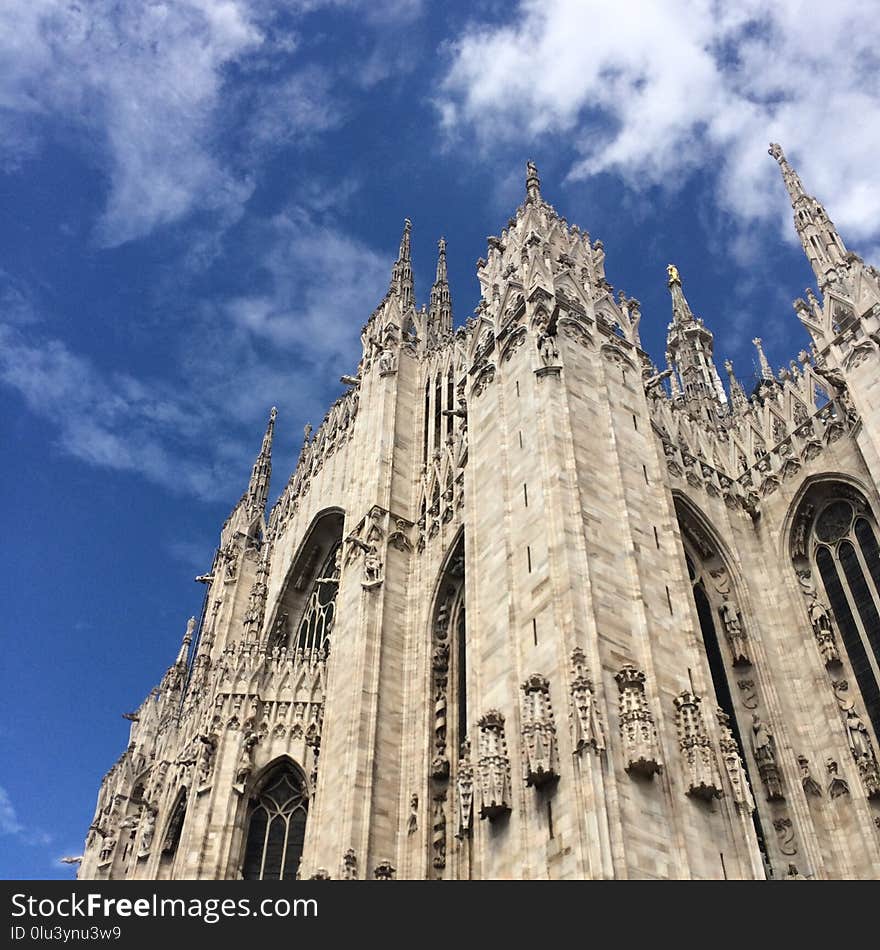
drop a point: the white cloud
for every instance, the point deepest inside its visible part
(150, 91)
(654, 90)
(9, 823)
(195, 428)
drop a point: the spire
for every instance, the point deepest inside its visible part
(401, 273)
(689, 345)
(737, 394)
(681, 312)
(766, 371)
(819, 238)
(187, 640)
(256, 608)
(533, 183)
(441, 304)
(258, 487)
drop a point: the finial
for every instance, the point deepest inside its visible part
(674, 276)
(776, 151)
(533, 183)
(187, 640)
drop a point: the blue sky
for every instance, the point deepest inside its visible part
(201, 202)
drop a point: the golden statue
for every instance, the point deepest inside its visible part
(674, 277)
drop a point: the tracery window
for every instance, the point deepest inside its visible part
(313, 636)
(842, 543)
(276, 827)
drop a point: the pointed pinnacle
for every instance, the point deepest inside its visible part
(766, 372)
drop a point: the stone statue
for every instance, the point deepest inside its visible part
(148, 832)
(372, 565)
(107, 847)
(824, 633)
(386, 361)
(412, 824)
(548, 350)
(672, 272)
(764, 749)
(735, 634)
(245, 759)
(857, 735)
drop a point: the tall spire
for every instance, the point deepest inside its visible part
(533, 183)
(819, 238)
(689, 347)
(401, 273)
(258, 487)
(737, 395)
(187, 640)
(766, 371)
(441, 303)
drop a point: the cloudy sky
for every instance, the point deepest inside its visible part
(201, 202)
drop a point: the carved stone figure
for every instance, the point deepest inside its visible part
(108, 844)
(209, 751)
(739, 781)
(438, 828)
(857, 735)
(641, 752)
(824, 633)
(589, 733)
(703, 780)
(764, 749)
(148, 832)
(493, 767)
(386, 361)
(735, 634)
(548, 350)
(412, 823)
(539, 732)
(349, 865)
(246, 759)
(837, 786)
(384, 871)
(811, 786)
(372, 565)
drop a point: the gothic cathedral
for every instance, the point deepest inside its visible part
(532, 607)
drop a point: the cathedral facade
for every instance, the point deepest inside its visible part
(531, 606)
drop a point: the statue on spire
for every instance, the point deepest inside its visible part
(533, 183)
(674, 276)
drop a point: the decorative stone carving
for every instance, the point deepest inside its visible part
(589, 733)
(764, 749)
(862, 752)
(548, 350)
(149, 831)
(837, 786)
(321, 874)
(750, 697)
(539, 732)
(465, 788)
(349, 865)
(785, 836)
(438, 829)
(702, 776)
(209, 752)
(108, 846)
(824, 633)
(493, 767)
(246, 759)
(811, 786)
(412, 823)
(384, 871)
(733, 764)
(735, 634)
(641, 754)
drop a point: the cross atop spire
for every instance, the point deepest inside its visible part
(533, 183)
(258, 487)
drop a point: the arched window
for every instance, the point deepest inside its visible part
(313, 636)
(276, 827)
(836, 533)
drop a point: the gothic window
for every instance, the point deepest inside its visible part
(276, 827)
(313, 636)
(175, 825)
(842, 543)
